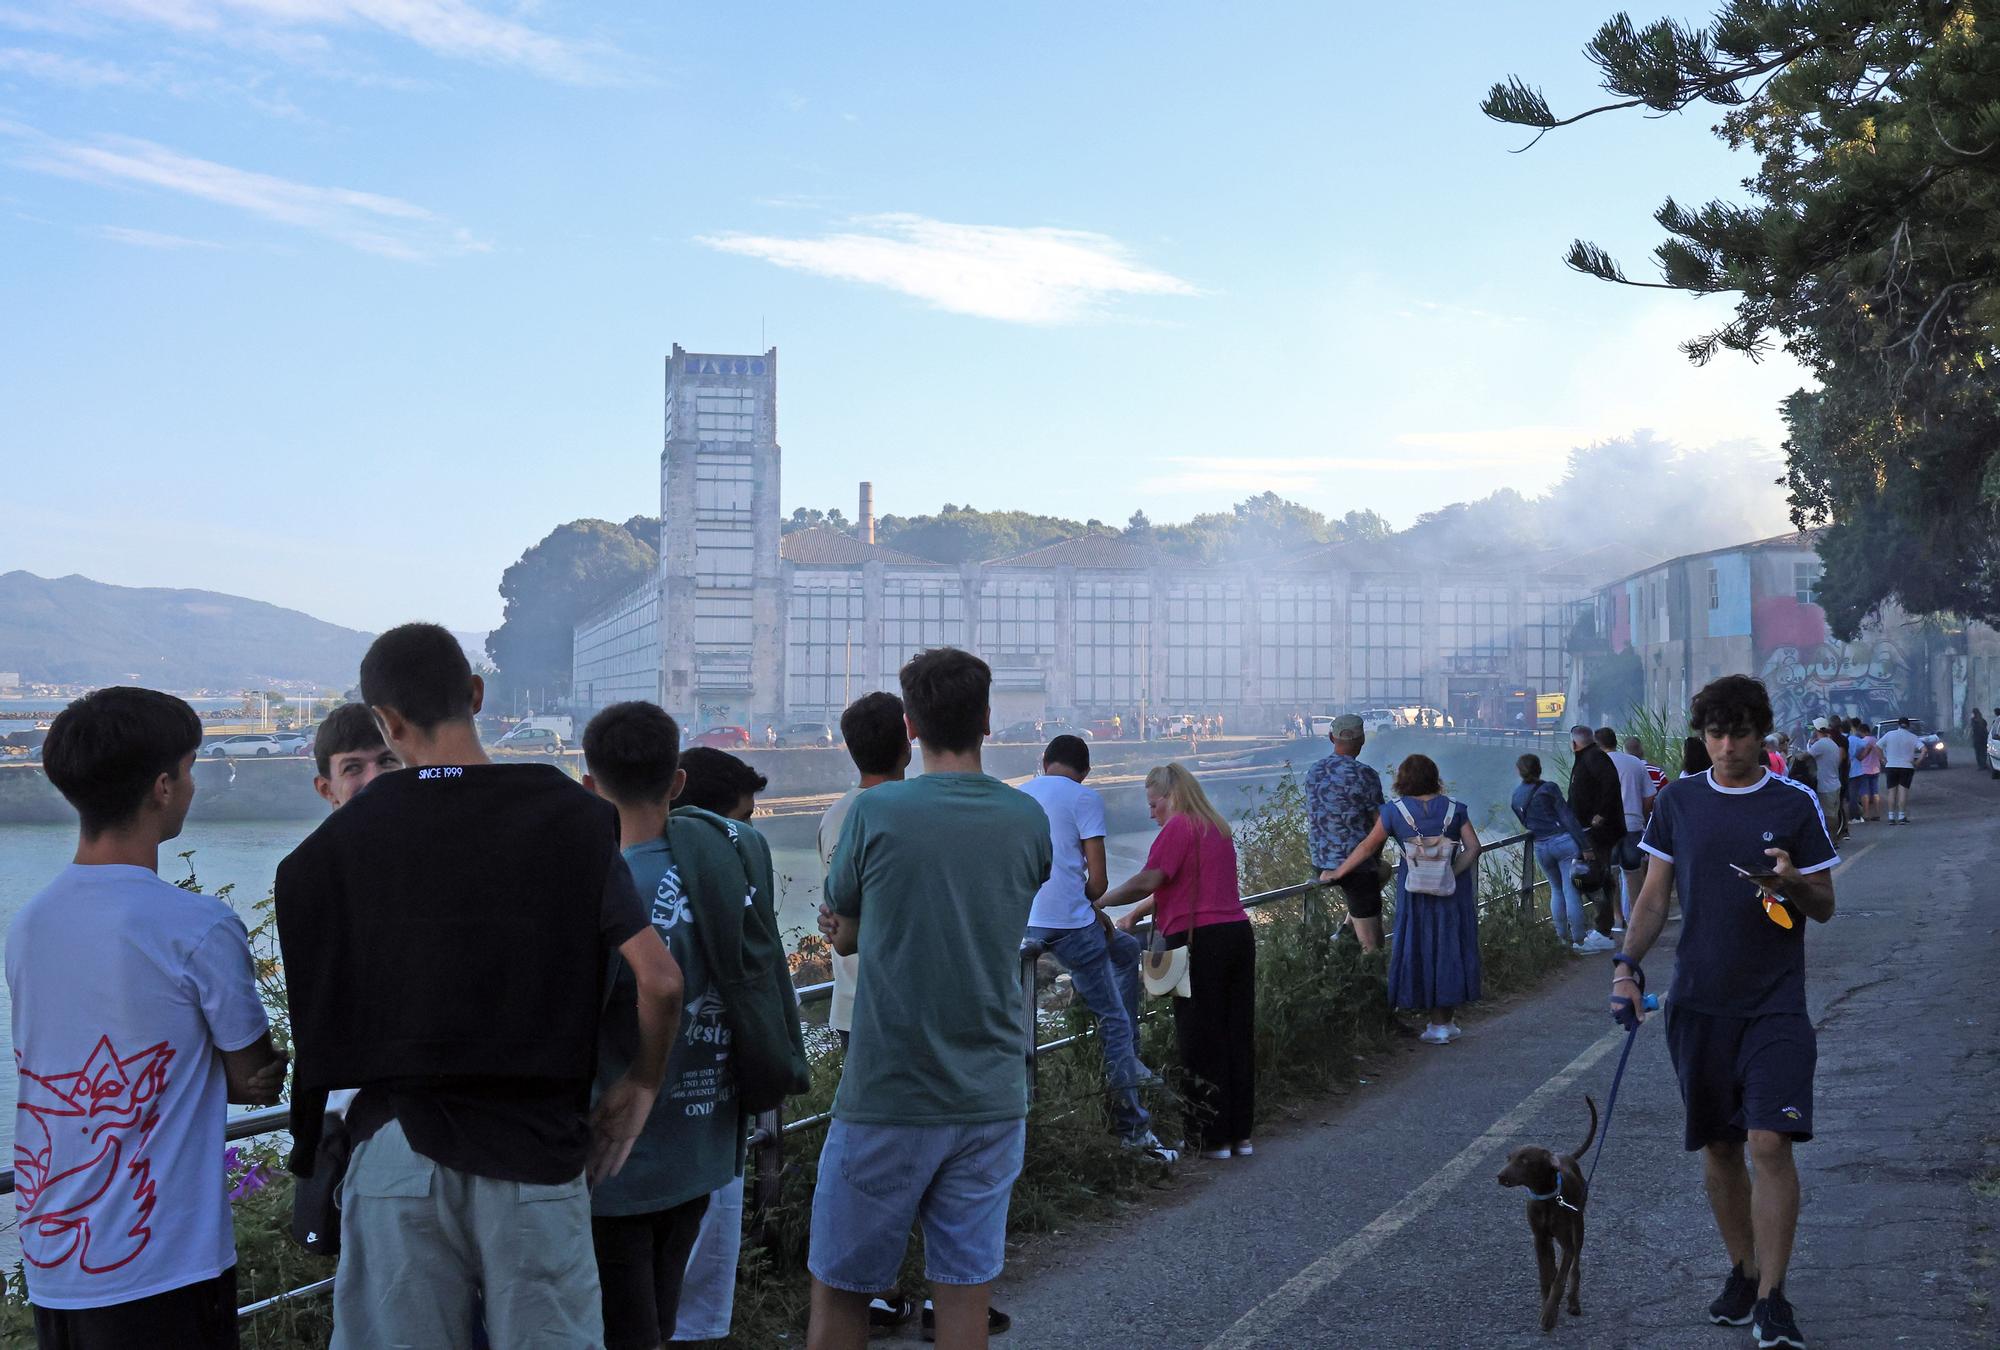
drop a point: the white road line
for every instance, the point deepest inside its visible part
(1259, 1326)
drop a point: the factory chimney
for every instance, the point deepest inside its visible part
(867, 522)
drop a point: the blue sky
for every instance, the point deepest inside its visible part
(343, 303)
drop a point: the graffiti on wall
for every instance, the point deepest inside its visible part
(1867, 678)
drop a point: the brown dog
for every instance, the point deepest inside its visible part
(1556, 1197)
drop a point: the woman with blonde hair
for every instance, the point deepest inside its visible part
(1188, 885)
(1434, 960)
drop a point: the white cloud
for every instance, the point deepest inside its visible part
(368, 221)
(1035, 275)
(54, 67)
(451, 28)
(119, 234)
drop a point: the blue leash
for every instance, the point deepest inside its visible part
(1610, 1105)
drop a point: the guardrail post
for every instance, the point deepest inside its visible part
(768, 1158)
(1031, 955)
(1528, 874)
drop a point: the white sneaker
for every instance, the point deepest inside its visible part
(1243, 1148)
(1150, 1145)
(1597, 942)
(1435, 1035)
(1451, 1031)
(1216, 1154)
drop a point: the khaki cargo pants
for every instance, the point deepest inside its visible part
(421, 1244)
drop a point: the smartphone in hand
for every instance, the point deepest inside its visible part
(1760, 878)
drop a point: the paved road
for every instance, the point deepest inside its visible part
(1377, 1222)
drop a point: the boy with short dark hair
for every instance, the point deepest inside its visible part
(644, 1220)
(349, 753)
(720, 782)
(470, 907)
(929, 1121)
(1742, 1043)
(136, 1019)
(1103, 963)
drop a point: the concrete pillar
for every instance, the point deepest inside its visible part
(1250, 657)
(1059, 667)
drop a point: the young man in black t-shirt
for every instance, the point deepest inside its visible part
(1742, 1044)
(445, 938)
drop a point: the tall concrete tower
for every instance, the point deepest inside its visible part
(721, 641)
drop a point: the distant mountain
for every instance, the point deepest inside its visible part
(73, 630)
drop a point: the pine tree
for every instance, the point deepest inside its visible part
(1867, 250)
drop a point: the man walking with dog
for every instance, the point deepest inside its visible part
(1747, 853)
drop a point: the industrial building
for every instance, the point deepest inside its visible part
(746, 625)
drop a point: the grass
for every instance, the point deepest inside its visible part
(1321, 1002)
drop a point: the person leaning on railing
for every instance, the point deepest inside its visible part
(1189, 887)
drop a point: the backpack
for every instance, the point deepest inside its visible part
(745, 955)
(1427, 858)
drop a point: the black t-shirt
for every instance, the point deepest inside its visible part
(510, 1129)
(1733, 960)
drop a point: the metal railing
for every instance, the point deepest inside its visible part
(770, 1130)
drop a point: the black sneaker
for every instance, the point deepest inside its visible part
(1773, 1325)
(1738, 1300)
(997, 1322)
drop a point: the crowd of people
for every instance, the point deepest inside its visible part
(532, 1019)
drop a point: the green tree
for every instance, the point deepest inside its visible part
(576, 568)
(965, 534)
(812, 518)
(1867, 250)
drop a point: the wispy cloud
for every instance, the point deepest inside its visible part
(368, 221)
(120, 234)
(56, 68)
(1036, 275)
(452, 28)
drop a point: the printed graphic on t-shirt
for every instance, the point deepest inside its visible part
(670, 906)
(83, 1190)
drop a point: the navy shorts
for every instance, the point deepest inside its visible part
(1901, 778)
(1743, 1073)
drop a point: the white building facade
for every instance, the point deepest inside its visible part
(745, 626)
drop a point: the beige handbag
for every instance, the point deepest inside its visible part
(1169, 970)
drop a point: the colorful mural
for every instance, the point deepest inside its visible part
(1867, 678)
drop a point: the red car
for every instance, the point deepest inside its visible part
(722, 738)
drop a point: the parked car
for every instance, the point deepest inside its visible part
(1934, 755)
(257, 744)
(809, 733)
(1054, 728)
(1993, 755)
(1040, 732)
(293, 742)
(721, 738)
(526, 740)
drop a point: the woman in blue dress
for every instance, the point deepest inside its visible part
(1434, 958)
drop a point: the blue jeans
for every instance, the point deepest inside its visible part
(876, 1180)
(1555, 854)
(1104, 970)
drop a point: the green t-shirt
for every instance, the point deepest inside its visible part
(941, 870)
(689, 1145)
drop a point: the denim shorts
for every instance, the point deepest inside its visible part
(877, 1180)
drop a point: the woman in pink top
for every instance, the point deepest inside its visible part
(1188, 885)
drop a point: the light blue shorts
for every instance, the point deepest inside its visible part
(875, 1181)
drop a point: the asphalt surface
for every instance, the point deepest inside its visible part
(1375, 1220)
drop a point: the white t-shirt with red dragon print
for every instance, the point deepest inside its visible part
(125, 989)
